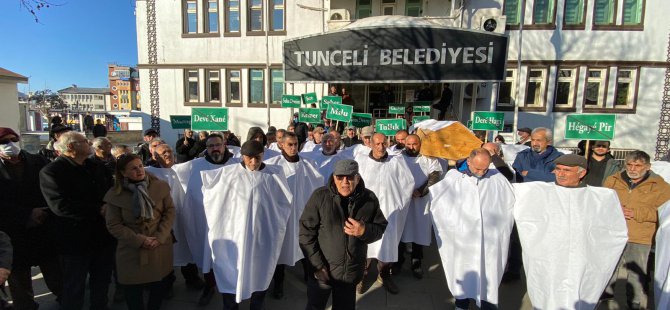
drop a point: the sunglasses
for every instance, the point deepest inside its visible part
(348, 177)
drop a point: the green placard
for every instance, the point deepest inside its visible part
(390, 126)
(590, 126)
(488, 121)
(421, 106)
(417, 119)
(209, 119)
(469, 125)
(360, 120)
(396, 109)
(339, 112)
(309, 115)
(180, 121)
(309, 98)
(331, 99)
(290, 101)
(323, 106)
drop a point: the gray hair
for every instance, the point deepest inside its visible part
(119, 149)
(65, 140)
(157, 139)
(547, 133)
(638, 155)
(96, 142)
(480, 151)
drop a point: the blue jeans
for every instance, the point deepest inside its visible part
(97, 265)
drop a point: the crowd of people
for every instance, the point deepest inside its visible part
(232, 215)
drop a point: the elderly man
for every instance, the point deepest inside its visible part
(363, 148)
(351, 139)
(524, 136)
(389, 177)
(103, 153)
(426, 171)
(184, 145)
(472, 212)
(49, 151)
(74, 186)
(326, 157)
(152, 146)
(641, 193)
(339, 221)
(399, 145)
(315, 143)
(25, 217)
(303, 178)
(145, 152)
(572, 236)
(247, 207)
(182, 257)
(194, 216)
(537, 163)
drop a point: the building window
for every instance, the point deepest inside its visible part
(191, 17)
(278, 15)
(192, 87)
(512, 9)
(507, 90)
(604, 12)
(255, 15)
(632, 12)
(388, 7)
(626, 89)
(566, 89)
(413, 8)
(256, 86)
(212, 16)
(213, 86)
(596, 88)
(233, 16)
(543, 12)
(363, 8)
(277, 85)
(234, 86)
(536, 87)
(573, 12)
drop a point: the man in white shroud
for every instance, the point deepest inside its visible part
(315, 143)
(162, 169)
(389, 177)
(247, 206)
(426, 171)
(303, 178)
(472, 210)
(195, 224)
(572, 236)
(361, 149)
(325, 157)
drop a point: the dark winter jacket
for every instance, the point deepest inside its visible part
(99, 130)
(539, 166)
(322, 237)
(5, 251)
(182, 150)
(75, 195)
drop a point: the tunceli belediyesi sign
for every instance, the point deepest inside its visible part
(209, 119)
(309, 98)
(396, 54)
(360, 120)
(180, 121)
(339, 112)
(309, 115)
(590, 126)
(290, 101)
(390, 126)
(396, 109)
(488, 121)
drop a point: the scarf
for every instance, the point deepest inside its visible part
(142, 203)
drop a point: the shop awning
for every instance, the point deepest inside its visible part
(379, 51)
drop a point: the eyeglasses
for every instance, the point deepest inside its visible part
(348, 177)
(215, 145)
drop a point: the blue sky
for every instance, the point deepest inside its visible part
(71, 44)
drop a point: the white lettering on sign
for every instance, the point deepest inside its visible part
(584, 128)
(209, 118)
(339, 112)
(488, 120)
(343, 58)
(390, 126)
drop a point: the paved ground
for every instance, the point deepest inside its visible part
(429, 293)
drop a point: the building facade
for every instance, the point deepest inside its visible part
(601, 56)
(124, 88)
(9, 101)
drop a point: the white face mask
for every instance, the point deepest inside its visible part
(10, 149)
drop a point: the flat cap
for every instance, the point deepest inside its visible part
(252, 148)
(571, 160)
(346, 167)
(151, 132)
(367, 131)
(525, 129)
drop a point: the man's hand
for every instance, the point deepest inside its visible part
(150, 243)
(322, 275)
(524, 173)
(4, 274)
(185, 140)
(628, 213)
(354, 228)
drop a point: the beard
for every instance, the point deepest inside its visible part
(411, 152)
(216, 156)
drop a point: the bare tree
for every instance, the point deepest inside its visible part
(34, 6)
(46, 101)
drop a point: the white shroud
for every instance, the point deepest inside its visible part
(392, 183)
(181, 252)
(572, 239)
(310, 146)
(662, 269)
(303, 178)
(325, 163)
(194, 210)
(418, 224)
(247, 212)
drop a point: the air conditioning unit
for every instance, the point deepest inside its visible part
(482, 90)
(339, 15)
(493, 24)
